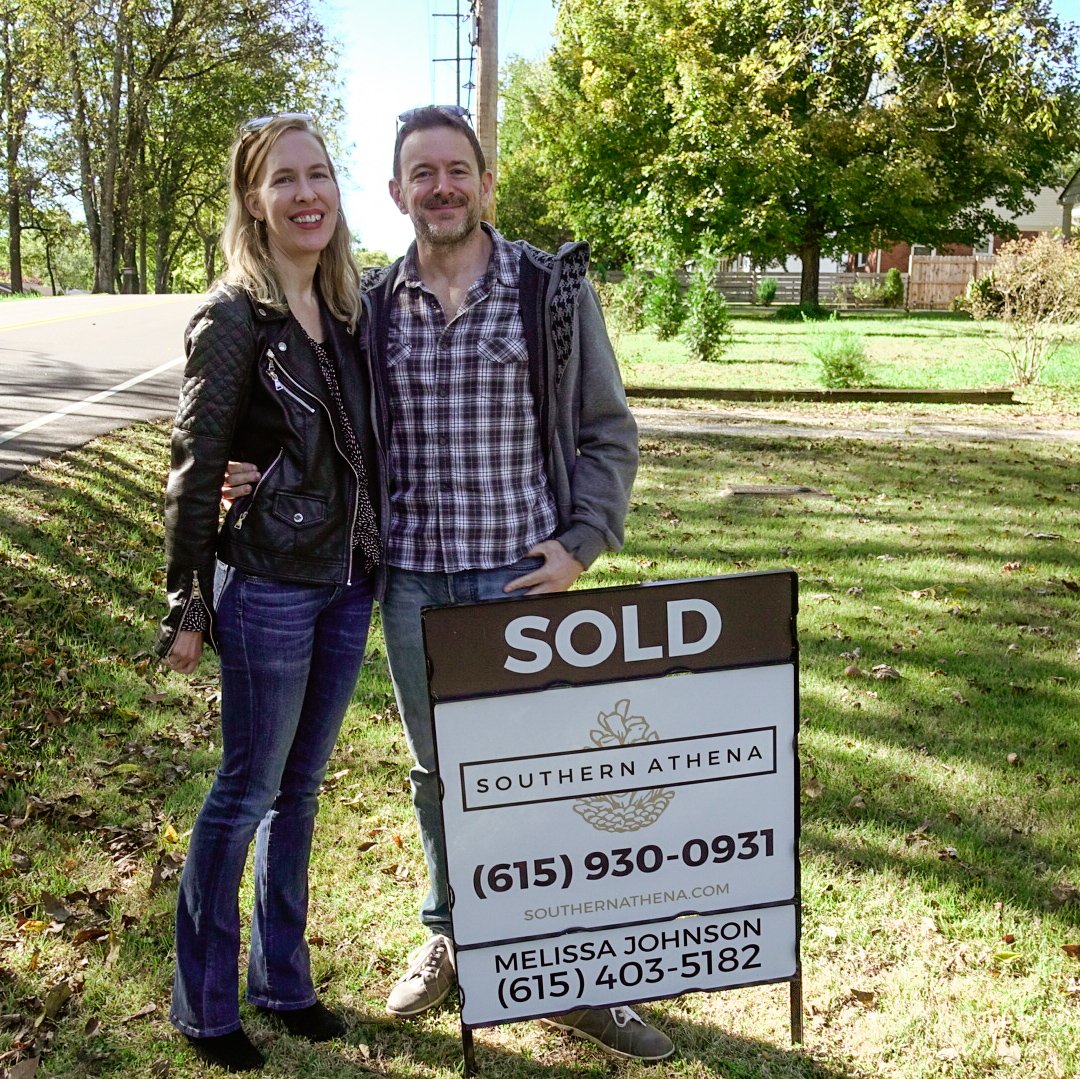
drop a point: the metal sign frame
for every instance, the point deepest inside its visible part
(592, 861)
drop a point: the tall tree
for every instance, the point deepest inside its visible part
(525, 207)
(789, 128)
(131, 67)
(23, 61)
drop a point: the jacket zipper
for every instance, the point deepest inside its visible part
(273, 368)
(280, 386)
(251, 499)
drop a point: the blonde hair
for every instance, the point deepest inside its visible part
(248, 262)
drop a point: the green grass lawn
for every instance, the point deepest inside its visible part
(931, 350)
(940, 865)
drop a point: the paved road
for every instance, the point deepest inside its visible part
(74, 367)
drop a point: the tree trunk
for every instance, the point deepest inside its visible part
(14, 237)
(810, 279)
(15, 118)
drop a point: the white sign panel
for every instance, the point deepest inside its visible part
(593, 806)
(641, 962)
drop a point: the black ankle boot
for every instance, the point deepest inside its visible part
(316, 1023)
(233, 1051)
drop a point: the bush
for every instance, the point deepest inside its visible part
(841, 353)
(1038, 282)
(766, 291)
(707, 327)
(867, 292)
(982, 297)
(626, 300)
(664, 305)
(892, 292)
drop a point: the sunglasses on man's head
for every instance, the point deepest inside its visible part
(458, 112)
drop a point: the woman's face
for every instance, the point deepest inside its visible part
(297, 198)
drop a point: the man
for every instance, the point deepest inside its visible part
(510, 454)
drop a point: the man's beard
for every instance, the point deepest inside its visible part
(448, 235)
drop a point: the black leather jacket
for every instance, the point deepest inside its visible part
(252, 392)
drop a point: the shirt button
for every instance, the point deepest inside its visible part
(298, 517)
(444, 440)
(443, 391)
(281, 346)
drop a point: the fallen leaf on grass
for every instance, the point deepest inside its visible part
(866, 997)
(948, 1054)
(883, 670)
(1010, 567)
(54, 908)
(852, 670)
(812, 788)
(25, 1069)
(1071, 950)
(1009, 1053)
(55, 1000)
(99, 932)
(142, 1013)
(1013, 759)
(1065, 893)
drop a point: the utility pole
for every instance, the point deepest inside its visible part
(487, 93)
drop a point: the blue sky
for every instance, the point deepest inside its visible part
(389, 49)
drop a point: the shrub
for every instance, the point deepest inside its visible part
(664, 305)
(841, 353)
(1038, 282)
(766, 291)
(707, 327)
(626, 302)
(892, 291)
(867, 292)
(982, 297)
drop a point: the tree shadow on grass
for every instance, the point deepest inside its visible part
(927, 562)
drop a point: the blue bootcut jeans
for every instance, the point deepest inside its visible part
(290, 656)
(407, 591)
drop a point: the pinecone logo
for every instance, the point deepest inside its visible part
(633, 810)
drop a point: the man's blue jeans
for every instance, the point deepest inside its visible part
(407, 591)
(290, 656)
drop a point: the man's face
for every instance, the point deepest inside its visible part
(441, 188)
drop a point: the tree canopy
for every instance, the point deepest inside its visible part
(128, 107)
(786, 128)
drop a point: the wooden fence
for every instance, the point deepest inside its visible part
(934, 281)
(741, 287)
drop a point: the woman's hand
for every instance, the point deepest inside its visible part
(186, 651)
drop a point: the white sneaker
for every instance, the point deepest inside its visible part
(427, 981)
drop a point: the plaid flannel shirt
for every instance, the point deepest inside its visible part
(468, 489)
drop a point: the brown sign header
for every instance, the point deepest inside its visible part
(610, 634)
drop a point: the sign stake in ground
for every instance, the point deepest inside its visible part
(620, 794)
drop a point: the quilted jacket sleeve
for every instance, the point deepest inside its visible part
(222, 345)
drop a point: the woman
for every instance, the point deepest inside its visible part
(273, 377)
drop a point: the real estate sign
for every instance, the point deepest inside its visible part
(620, 792)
